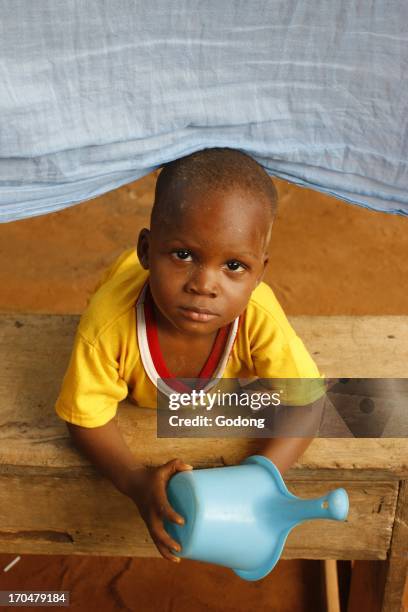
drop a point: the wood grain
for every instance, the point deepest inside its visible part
(397, 564)
(35, 350)
(73, 510)
(86, 515)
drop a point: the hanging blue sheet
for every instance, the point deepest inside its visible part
(96, 94)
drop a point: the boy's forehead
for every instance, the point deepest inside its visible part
(234, 205)
(227, 220)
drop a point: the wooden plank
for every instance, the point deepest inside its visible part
(345, 346)
(35, 351)
(365, 535)
(379, 586)
(397, 564)
(357, 347)
(36, 442)
(38, 462)
(86, 515)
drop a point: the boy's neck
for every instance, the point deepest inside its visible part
(184, 354)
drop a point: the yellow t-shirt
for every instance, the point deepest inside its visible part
(111, 359)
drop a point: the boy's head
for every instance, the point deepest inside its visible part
(207, 248)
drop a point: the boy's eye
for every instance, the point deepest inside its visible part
(235, 265)
(182, 254)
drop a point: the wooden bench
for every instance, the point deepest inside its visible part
(53, 502)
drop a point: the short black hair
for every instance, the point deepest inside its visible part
(219, 169)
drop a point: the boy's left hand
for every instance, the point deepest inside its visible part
(148, 491)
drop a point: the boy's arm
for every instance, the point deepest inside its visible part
(283, 452)
(303, 421)
(106, 449)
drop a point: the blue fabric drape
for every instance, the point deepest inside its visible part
(96, 94)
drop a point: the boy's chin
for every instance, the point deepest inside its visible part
(190, 326)
(194, 328)
(197, 328)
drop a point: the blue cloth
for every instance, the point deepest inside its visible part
(96, 94)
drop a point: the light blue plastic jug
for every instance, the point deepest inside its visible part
(240, 516)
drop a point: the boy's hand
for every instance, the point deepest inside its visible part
(148, 490)
(106, 449)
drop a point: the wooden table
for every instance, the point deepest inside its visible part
(52, 501)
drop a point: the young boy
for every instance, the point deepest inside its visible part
(190, 305)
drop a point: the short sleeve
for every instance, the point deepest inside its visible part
(91, 388)
(276, 350)
(283, 363)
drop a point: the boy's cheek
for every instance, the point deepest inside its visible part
(236, 304)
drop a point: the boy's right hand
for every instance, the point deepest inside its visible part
(147, 488)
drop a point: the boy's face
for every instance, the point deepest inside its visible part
(205, 262)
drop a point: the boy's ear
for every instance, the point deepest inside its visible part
(143, 244)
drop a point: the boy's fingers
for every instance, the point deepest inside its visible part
(160, 535)
(176, 465)
(164, 551)
(167, 511)
(182, 465)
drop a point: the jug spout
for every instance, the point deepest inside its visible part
(334, 505)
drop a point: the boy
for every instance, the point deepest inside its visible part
(192, 306)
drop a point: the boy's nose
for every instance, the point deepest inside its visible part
(202, 282)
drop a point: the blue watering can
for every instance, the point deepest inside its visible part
(240, 516)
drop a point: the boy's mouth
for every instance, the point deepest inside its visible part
(198, 314)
